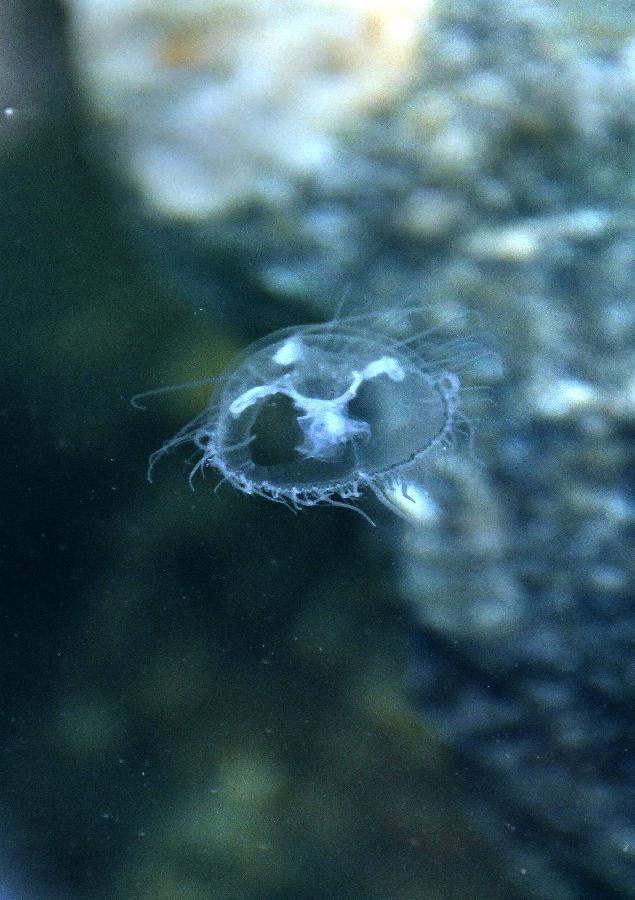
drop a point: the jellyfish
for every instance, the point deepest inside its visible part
(321, 413)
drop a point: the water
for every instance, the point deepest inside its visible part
(209, 696)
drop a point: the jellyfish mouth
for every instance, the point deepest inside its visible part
(326, 427)
(323, 424)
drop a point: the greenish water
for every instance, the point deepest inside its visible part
(202, 693)
(208, 697)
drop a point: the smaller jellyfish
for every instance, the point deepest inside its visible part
(318, 413)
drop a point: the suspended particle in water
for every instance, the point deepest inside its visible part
(316, 414)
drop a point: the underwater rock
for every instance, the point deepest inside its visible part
(221, 105)
(374, 149)
(494, 173)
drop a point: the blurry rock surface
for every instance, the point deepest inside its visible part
(478, 155)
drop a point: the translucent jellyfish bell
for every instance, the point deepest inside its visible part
(318, 413)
